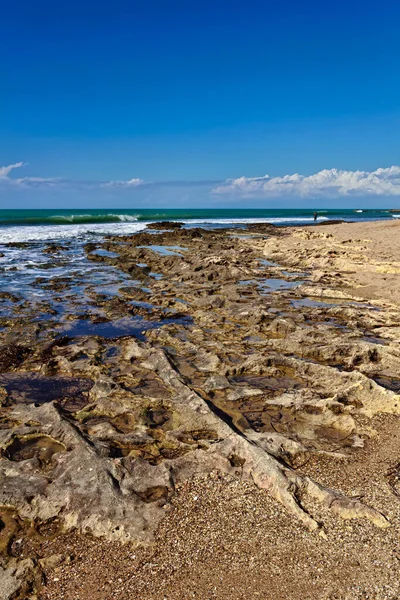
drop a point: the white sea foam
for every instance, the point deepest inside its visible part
(128, 218)
(58, 232)
(128, 224)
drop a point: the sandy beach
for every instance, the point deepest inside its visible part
(225, 425)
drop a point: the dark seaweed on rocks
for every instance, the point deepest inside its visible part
(165, 225)
(13, 355)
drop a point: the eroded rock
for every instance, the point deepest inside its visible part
(235, 376)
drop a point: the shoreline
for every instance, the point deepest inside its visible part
(40, 225)
(266, 368)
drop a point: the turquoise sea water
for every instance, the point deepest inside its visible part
(49, 217)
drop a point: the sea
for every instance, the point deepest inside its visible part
(45, 225)
(26, 270)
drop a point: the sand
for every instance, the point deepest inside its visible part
(365, 255)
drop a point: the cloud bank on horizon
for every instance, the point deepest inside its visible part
(328, 183)
(325, 183)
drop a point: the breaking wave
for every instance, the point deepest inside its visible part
(70, 219)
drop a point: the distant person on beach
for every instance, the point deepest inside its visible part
(315, 216)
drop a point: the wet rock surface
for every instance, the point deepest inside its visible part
(187, 352)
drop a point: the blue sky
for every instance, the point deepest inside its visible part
(160, 103)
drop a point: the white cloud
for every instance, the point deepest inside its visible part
(23, 181)
(37, 181)
(131, 183)
(329, 182)
(5, 171)
(28, 182)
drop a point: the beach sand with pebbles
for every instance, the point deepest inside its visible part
(224, 426)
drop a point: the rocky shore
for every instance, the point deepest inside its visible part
(220, 421)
